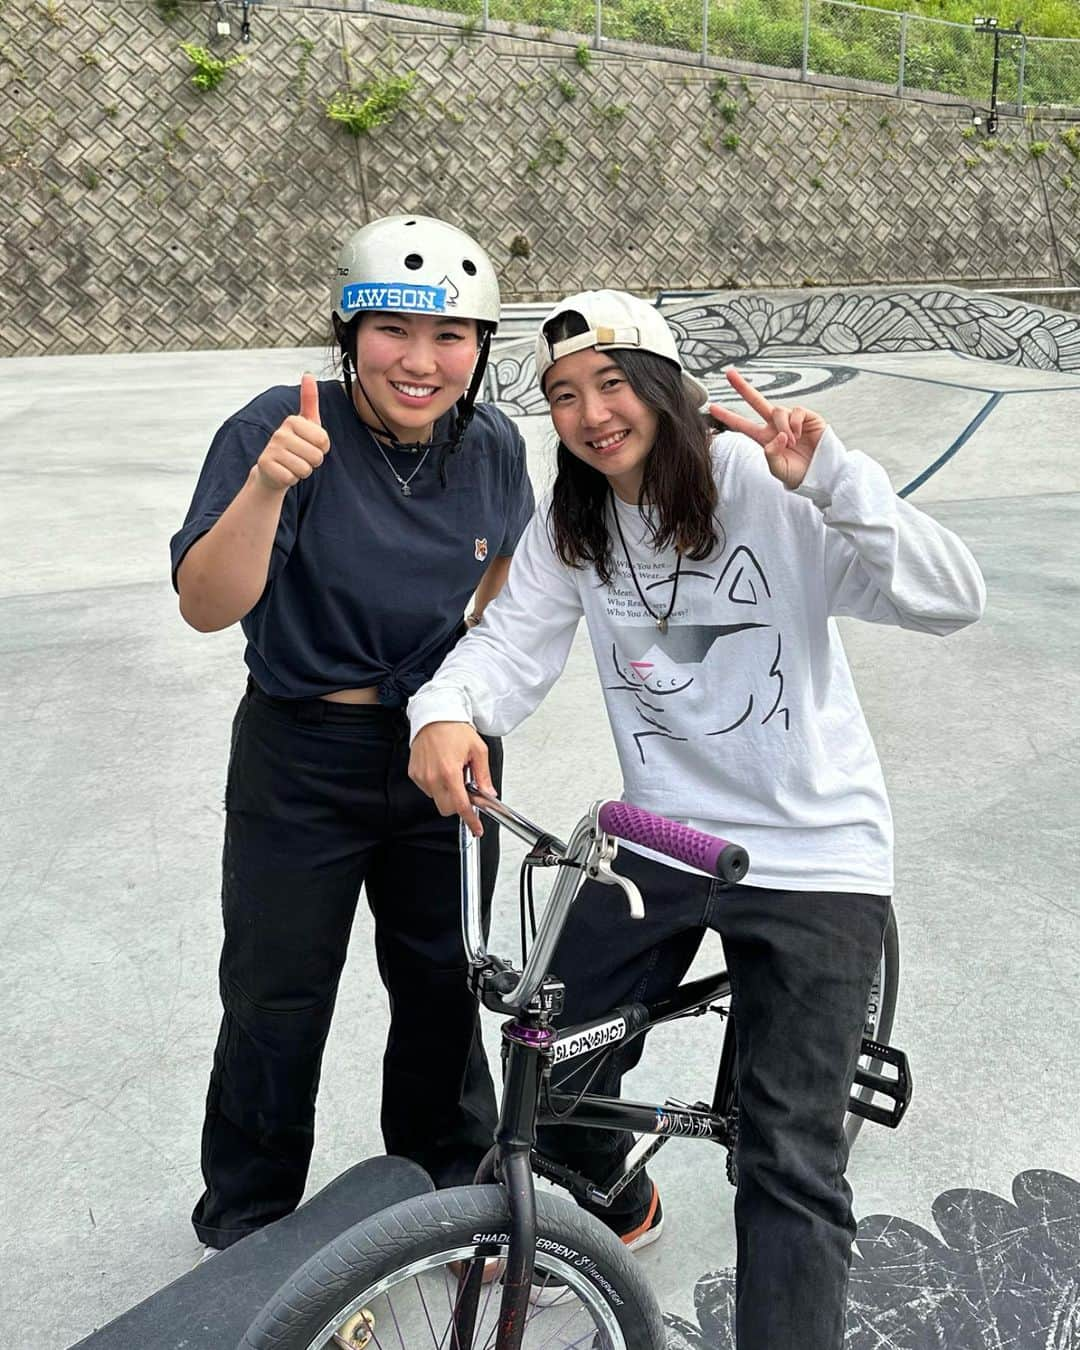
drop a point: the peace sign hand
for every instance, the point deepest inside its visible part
(789, 436)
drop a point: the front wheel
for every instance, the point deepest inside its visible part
(390, 1276)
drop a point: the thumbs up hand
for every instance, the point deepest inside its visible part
(298, 446)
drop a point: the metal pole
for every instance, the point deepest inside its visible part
(1020, 78)
(903, 53)
(992, 120)
(704, 32)
(599, 35)
(805, 39)
(486, 15)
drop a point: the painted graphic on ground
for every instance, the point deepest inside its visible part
(715, 331)
(711, 333)
(1001, 1274)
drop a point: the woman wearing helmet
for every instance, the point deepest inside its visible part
(345, 526)
(708, 568)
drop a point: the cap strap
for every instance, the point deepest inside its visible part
(600, 336)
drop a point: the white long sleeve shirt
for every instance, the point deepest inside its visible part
(741, 720)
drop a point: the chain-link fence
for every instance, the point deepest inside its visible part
(905, 52)
(1052, 71)
(659, 23)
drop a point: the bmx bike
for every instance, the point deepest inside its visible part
(416, 1275)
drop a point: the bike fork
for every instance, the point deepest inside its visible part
(510, 1159)
(517, 1181)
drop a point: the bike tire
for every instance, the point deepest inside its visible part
(412, 1244)
(881, 1009)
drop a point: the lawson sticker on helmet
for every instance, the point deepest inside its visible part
(383, 295)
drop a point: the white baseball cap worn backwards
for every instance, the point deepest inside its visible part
(615, 320)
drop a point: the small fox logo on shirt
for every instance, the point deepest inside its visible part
(479, 549)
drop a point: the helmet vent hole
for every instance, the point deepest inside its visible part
(410, 222)
(469, 267)
(414, 262)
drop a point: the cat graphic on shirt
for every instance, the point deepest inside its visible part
(682, 683)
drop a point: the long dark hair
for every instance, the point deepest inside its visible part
(677, 484)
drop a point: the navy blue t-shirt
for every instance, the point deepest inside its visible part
(366, 586)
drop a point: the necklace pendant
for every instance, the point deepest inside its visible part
(662, 625)
(406, 490)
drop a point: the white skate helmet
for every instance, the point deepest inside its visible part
(415, 265)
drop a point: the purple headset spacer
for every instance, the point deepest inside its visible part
(718, 857)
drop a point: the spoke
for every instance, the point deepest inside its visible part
(482, 1313)
(375, 1338)
(401, 1314)
(493, 1332)
(455, 1304)
(451, 1300)
(423, 1304)
(554, 1307)
(394, 1318)
(582, 1340)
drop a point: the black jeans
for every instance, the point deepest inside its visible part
(801, 965)
(319, 803)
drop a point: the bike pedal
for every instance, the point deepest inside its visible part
(897, 1088)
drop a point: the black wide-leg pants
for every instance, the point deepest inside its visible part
(318, 804)
(801, 965)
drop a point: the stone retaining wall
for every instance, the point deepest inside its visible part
(141, 214)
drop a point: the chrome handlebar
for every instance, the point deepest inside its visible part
(590, 853)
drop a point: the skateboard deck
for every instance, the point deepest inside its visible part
(212, 1306)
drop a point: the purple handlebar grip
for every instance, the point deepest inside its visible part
(711, 854)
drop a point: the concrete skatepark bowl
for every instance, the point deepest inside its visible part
(117, 720)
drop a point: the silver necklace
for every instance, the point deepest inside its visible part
(659, 619)
(403, 483)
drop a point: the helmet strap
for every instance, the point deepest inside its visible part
(346, 336)
(466, 405)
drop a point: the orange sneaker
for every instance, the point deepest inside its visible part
(649, 1229)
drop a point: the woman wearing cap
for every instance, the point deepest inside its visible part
(708, 568)
(345, 526)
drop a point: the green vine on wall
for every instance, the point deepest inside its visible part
(551, 153)
(208, 70)
(9, 58)
(372, 104)
(306, 46)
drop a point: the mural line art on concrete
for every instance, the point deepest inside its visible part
(849, 324)
(1001, 1274)
(714, 331)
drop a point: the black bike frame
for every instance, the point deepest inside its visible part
(531, 1045)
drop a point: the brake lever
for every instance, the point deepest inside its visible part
(602, 852)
